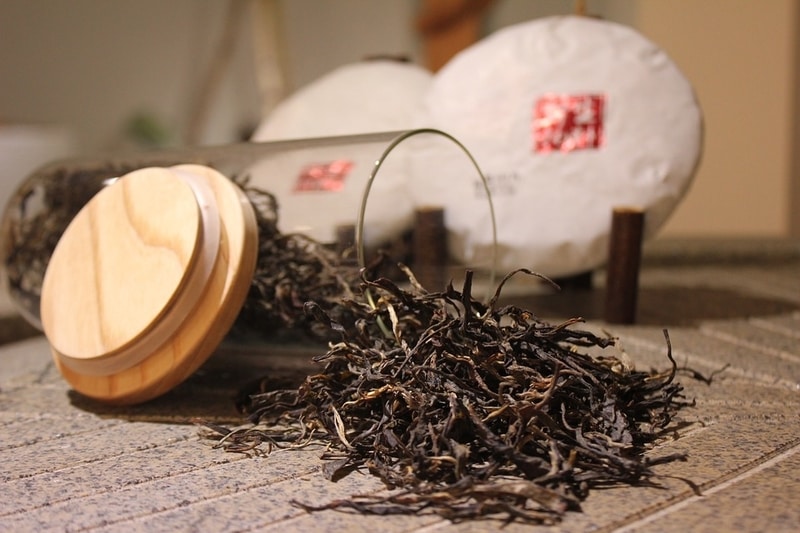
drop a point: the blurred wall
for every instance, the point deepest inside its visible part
(96, 65)
(743, 58)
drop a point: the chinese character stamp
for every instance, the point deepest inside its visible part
(567, 122)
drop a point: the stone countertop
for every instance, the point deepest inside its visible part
(69, 464)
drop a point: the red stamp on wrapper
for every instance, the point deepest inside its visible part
(567, 122)
(323, 176)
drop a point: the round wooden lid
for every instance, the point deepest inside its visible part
(147, 280)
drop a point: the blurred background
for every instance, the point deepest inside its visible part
(96, 76)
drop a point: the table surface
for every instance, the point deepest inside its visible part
(69, 464)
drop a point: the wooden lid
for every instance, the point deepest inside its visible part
(146, 281)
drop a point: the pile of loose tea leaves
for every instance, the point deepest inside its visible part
(292, 269)
(466, 409)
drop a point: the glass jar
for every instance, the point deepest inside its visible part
(332, 170)
(54, 236)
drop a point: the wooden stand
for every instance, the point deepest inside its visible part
(345, 238)
(430, 248)
(624, 258)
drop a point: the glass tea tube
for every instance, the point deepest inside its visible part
(46, 202)
(79, 235)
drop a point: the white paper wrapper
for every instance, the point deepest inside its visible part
(318, 190)
(363, 97)
(568, 117)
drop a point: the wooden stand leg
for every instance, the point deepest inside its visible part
(624, 259)
(345, 238)
(430, 248)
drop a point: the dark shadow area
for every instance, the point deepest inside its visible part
(216, 391)
(14, 328)
(662, 306)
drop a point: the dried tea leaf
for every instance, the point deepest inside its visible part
(471, 410)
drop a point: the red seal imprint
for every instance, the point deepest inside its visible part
(567, 122)
(323, 176)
